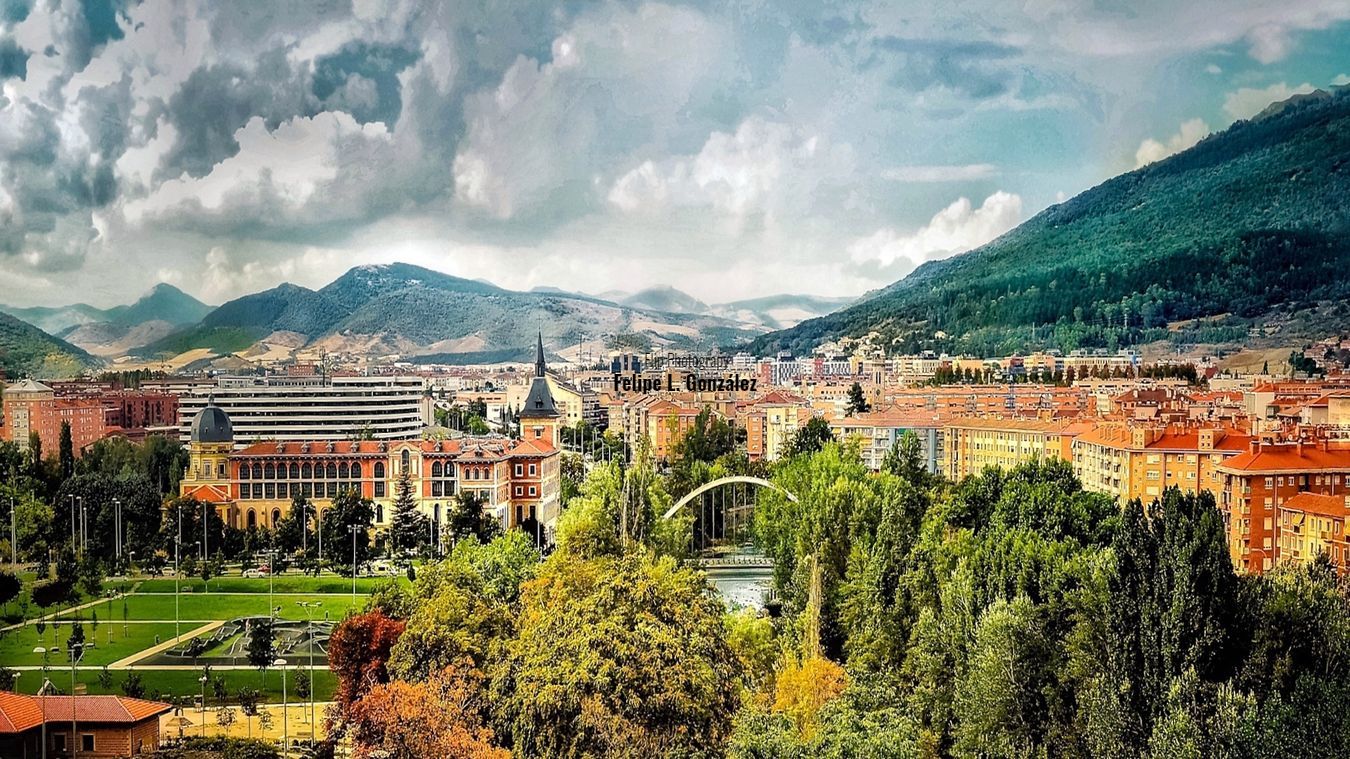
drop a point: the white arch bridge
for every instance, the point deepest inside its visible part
(715, 518)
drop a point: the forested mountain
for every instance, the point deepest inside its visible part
(25, 349)
(1250, 218)
(406, 309)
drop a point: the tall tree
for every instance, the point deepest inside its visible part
(407, 528)
(857, 401)
(67, 451)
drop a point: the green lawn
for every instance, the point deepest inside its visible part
(280, 584)
(16, 646)
(224, 606)
(165, 684)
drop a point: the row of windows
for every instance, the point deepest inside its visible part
(341, 471)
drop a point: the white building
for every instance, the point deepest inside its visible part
(314, 408)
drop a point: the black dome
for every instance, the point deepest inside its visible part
(212, 424)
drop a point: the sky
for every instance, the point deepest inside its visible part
(731, 149)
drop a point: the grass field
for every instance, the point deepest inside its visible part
(16, 647)
(205, 607)
(282, 584)
(185, 684)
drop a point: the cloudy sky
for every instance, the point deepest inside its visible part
(732, 149)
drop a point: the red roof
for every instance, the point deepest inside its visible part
(19, 713)
(1315, 503)
(1287, 457)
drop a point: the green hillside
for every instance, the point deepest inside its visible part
(27, 350)
(1249, 219)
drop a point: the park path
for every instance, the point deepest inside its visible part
(126, 662)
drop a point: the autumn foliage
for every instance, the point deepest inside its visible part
(441, 717)
(358, 652)
(804, 689)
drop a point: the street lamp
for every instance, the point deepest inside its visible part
(42, 692)
(202, 680)
(353, 529)
(74, 735)
(285, 717)
(309, 606)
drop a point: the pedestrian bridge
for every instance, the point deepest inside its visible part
(739, 479)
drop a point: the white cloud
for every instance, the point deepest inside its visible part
(1189, 134)
(1341, 80)
(733, 173)
(1213, 68)
(613, 84)
(1269, 42)
(1247, 102)
(955, 229)
(284, 173)
(936, 174)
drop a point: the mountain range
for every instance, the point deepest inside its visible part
(1249, 222)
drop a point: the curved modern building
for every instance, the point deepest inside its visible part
(280, 409)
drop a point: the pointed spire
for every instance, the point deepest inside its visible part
(539, 356)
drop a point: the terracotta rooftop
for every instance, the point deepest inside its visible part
(1315, 503)
(1289, 457)
(19, 712)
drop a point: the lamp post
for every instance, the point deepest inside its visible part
(117, 527)
(202, 712)
(309, 634)
(285, 718)
(13, 534)
(42, 691)
(74, 735)
(353, 530)
(177, 549)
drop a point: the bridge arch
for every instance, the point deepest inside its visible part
(725, 481)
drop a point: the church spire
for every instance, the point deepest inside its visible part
(539, 356)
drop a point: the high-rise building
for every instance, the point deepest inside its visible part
(32, 407)
(314, 408)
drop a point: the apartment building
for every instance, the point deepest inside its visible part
(31, 407)
(877, 432)
(1311, 525)
(1262, 480)
(972, 445)
(1140, 461)
(771, 422)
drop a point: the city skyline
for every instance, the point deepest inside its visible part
(613, 146)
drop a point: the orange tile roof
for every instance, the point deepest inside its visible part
(1316, 503)
(18, 713)
(1286, 457)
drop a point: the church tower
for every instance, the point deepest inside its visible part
(539, 418)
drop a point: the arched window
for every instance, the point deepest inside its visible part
(276, 516)
(407, 460)
(244, 472)
(436, 469)
(252, 519)
(295, 471)
(379, 470)
(356, 470)
(379, 512)
(343, 471)
(257, 471)
(332, 471)
(269, 472)
(306, 472)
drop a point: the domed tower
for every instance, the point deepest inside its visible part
(211, 440)
(539, 418)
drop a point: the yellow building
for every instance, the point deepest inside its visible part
(1137, 461)
(972, 445)
(1310, 525)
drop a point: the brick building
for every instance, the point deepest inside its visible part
(30, 406)
(104, 726)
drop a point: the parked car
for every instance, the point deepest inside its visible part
(256, 572)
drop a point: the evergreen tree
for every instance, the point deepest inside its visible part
(67, 452)
(407, 528)
(857, 402)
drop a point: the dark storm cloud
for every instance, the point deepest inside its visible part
(377, 65)
(216, 101)
(13, 59)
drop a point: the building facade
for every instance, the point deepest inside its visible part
(972, 445)
(1141, 461)
(32, 407)
(518, 480)
(314, 408)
